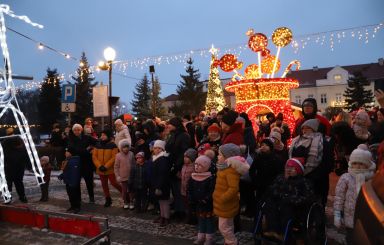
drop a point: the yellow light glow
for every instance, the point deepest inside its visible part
(282, 36)
(267, 64)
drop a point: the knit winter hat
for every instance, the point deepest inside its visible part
(362, 155)
(159, 144)
(76, 125)
(204, 161)
(124, 143)
(44, 159)
(229, 150)
(362, 118)
(312, 123)
(140, 154)
(240, 120)
(268, 142)
(191, 154)
(210, 153)
(118, 121)
(275, 135)
(297, 163)
(229, 118)
(214, 128)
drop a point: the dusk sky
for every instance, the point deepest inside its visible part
(138, 29)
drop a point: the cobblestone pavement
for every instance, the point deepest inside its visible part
(127, 226)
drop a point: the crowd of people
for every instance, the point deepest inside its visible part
(214, 167)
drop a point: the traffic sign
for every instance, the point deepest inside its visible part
(68, 93)
(68, 107)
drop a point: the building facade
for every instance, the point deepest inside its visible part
(327, 85)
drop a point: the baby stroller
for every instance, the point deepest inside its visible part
(309, 228)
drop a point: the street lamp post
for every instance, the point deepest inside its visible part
(152, 71)
(110, 55)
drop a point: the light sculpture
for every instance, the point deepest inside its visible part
(7, 96)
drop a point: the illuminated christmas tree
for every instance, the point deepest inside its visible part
(215, 96)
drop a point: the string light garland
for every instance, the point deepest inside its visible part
(256, 94)
(333, 37)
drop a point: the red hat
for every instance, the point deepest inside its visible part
(201, 150)
(214, 128)
(297, 163)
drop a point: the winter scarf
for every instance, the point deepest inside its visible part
(361, 175)
(315, 143)
(201, 176)
(163, 153)
(222, 166)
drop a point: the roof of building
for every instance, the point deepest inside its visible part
(307, 78)
(172, 97)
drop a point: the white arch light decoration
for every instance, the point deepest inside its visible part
(7, 96)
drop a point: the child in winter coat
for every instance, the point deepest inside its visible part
(200, 189)
(161, 181)
(226, 199)
(103, 157)
(188, 168)
(139, 182)
(288, 196)
(123, 166)
(47, 168)
(361, 168)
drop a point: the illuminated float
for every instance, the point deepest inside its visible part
(258, 91)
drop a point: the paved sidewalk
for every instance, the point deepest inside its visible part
(127, 226)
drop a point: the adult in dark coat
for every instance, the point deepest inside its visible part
(57, 143)
(309, 109)
(265, 168)
(177, 143)
(318, 175)
(249, 134)
(345, 141)
(190, 127)
(233, 131)
(15, 161)
(80, 145)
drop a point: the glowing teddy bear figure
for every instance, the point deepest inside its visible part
(7, 96)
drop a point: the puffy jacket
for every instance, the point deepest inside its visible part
(123, 133)
(235, 135)
(226, 195)
(104, 155)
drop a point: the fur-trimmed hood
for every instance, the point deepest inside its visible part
(239, 164)
(124, 142)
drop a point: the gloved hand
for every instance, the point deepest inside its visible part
(61, 177)
(337, 219)
(158, 192)
(102, 168)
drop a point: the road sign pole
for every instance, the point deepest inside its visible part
(69, 119)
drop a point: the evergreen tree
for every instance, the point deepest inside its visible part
(28, 101)
(159, 109)
(355, 94)
(84, 85)
(190, 93)
(215, 95)
(50, 100)
(142, 99)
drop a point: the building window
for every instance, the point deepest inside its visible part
(337, 77)
(298, 99)
(323, 98)
(310, 95)
(339, 97)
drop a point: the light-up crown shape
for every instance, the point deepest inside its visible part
(258, 91)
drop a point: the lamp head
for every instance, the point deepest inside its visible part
(109, 54)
